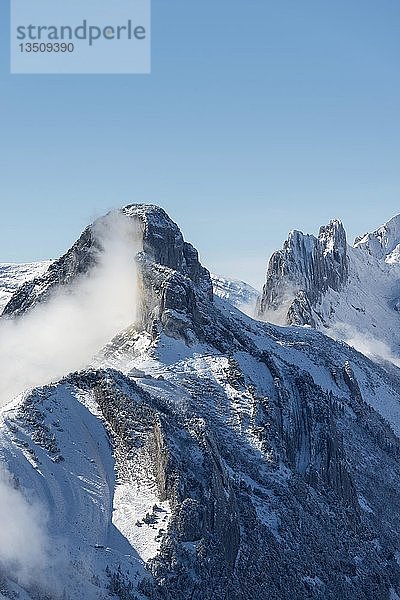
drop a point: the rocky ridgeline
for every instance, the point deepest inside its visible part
(325, 283)
(383, 242)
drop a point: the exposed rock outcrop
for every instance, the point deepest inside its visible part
(349, 292)
(170, 273)
(300, 273)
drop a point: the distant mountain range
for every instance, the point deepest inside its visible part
(240, 294)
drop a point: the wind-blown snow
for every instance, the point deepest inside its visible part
(63, 334)
(24, 545)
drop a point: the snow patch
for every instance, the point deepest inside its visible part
(140, 516)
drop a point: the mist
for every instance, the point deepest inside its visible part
(24, 543)
(278, 316)
(365, 343)
(64, 333)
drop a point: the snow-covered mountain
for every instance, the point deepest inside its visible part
(350, 292)
(240, 294)
(202, 454)
(12, 276)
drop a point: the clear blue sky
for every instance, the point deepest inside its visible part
(259, 116)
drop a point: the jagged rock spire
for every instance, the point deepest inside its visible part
(303, 270)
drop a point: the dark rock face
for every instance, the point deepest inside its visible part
(173, 282)
(163, 243)
(303, 271)
(313, 444)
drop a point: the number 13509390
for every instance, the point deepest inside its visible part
(47, 47)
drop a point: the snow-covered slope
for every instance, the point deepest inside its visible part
(12, 276)
(349, 292)
(240, 294)
(55, 446)
(205, 455)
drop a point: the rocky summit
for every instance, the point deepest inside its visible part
(204, 454)
(350, 292)
(304, 270)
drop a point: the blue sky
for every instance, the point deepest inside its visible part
(259, 117)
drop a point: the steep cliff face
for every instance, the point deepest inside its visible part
(301, 273)
(172, 281)
(163, 254)
(175, 290)
(349, 292)
(221, 457)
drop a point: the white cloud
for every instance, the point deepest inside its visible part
(365, 343)
(278, 316)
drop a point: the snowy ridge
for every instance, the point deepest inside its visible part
(58, 449)
(240, 294)
(382, 242)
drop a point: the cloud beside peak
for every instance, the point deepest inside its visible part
(64, 333)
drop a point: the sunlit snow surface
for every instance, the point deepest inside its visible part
(240, 294)
(12, 276)
(366, 312)
(74, 485)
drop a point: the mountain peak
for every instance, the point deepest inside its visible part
(163, 242)
(303, 270)
(327, 284)
(148, 213)
(171, 280)
(383, 241)
(178, 469)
